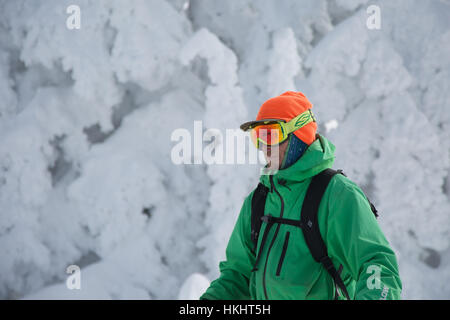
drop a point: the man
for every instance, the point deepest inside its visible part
(282, 266)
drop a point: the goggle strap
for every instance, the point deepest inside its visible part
(300, 121)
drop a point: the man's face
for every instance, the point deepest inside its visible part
(275, 154)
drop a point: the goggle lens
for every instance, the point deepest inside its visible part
(269, 134)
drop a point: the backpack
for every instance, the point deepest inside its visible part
(308, 223)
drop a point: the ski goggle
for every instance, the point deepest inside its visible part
(274, 131)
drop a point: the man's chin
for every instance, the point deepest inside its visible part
(273, 164)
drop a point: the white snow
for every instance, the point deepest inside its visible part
(194, 286)
(331, 125)
(86, 118)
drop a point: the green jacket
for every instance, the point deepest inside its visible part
(348, 227)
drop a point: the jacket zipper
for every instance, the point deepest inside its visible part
(283, 253)
(272, 185)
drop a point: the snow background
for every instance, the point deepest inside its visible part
(86, 118)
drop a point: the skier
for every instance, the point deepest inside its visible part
(284, 245)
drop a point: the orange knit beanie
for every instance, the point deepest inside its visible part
(286, 107)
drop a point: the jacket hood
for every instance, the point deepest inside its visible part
(318, 157)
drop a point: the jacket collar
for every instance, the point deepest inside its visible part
(318, 157)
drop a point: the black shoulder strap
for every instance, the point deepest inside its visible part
(311, 232)
(258, 205)
(372, 207)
